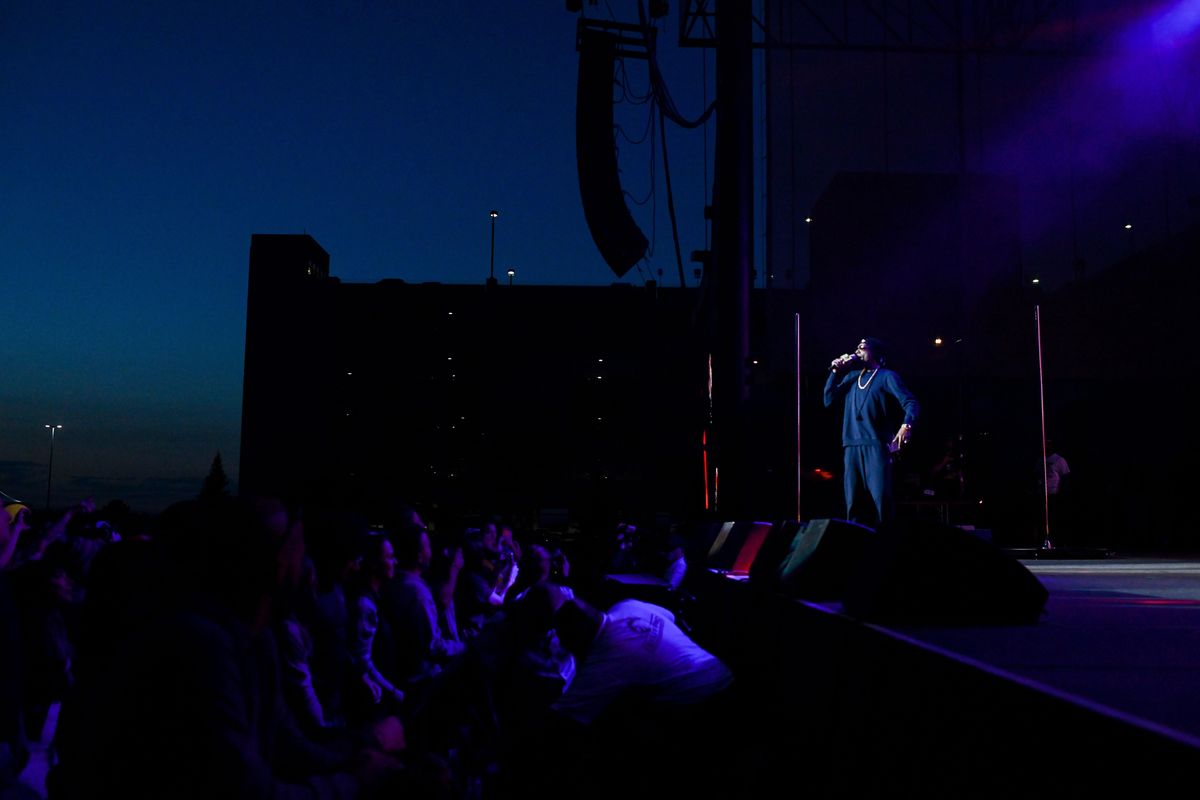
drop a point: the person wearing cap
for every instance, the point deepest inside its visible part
(875, 399)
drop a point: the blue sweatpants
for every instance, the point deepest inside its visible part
(868, 483)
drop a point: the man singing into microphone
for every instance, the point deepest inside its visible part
(875, 398)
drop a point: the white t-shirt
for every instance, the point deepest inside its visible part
(1056, 470)
(640, 646)
(676, 571)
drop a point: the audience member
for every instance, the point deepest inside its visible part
(623, 558)
(421, 646)
(676, 563)
(538, 567)
(14, 746)
(192, 707)
(506, 543)
(634, 646)
(225, 653)
(296, 651)
(46, 596)
(486, 576)
(372, 648)
(443, 581)
(16, 522)
(336, 540)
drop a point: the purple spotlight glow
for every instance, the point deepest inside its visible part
(1117, 125)
(1177, 23)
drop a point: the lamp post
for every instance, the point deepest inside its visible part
(50, 468)
(512, 273)
(492, 263)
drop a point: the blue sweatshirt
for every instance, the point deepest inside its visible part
(871, 414)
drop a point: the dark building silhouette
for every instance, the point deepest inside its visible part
(589, 398)
(288, 398)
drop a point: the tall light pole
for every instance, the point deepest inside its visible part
(492, 264)
(50, 469)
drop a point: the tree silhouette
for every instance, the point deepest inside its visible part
(217, 483)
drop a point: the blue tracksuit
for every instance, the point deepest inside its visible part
(870, 420)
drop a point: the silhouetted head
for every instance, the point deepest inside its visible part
(536, 564)
(489, 536)
(674, 546)
(872, 351)
(239, 550)
(379, 558)
(577, 623)
(534, 614)
(413, 551)
(335, 539)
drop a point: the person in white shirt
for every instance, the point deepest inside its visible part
(634, 646)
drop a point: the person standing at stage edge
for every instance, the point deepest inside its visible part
(875, 400)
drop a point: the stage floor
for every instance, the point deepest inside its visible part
(1121, 634)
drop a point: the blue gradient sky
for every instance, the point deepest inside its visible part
(143, 143)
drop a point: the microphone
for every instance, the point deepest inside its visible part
(845, 359)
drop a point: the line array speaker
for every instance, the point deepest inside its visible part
(620, 241)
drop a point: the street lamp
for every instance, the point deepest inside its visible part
(50, 468)
(512, 273)
(492, 264)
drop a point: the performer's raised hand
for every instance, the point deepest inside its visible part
(842, 361)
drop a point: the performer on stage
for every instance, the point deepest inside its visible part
(875, 398)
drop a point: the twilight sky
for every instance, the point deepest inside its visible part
(141, 144)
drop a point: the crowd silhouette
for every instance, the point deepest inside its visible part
(256, 647)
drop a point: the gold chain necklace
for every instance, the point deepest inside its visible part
(862, 385)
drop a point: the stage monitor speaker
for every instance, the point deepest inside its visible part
(921, 571)
(764, 572)
(620, 241)
(736, 545)
(748, 553)
(699, 540)
(822, 556)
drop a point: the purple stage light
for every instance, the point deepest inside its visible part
(1175, 25)
(1094, 137)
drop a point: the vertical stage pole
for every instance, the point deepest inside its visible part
(1046, 543)
(799, 469)
(733, 244)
